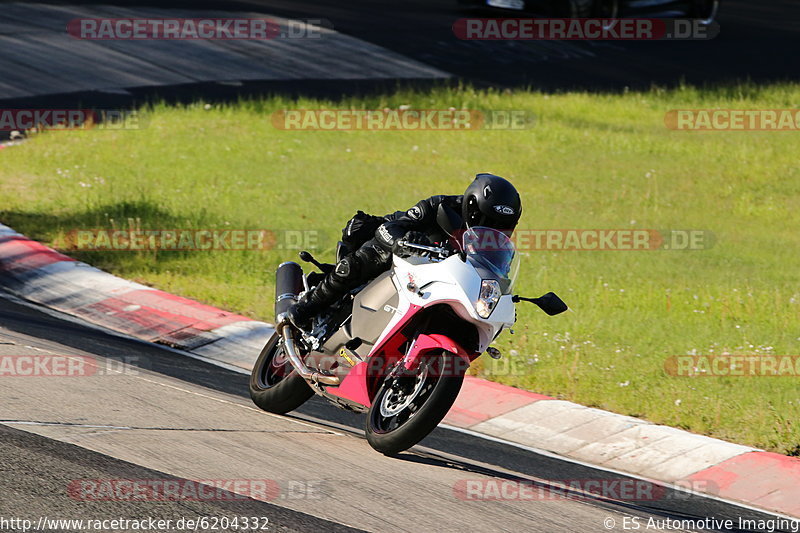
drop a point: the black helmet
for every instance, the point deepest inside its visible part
(493, 202)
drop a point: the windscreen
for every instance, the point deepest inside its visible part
(492, 250)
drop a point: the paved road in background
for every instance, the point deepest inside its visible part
(759, 40)
(39, 57)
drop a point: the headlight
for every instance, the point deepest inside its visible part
(490, 295)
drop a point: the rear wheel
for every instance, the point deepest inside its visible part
(275, 386)
(410, 405)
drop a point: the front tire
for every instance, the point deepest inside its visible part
(407, 408)
(275, 386)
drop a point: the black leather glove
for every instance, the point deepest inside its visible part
(412, 237)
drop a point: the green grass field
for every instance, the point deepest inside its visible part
(590, 161)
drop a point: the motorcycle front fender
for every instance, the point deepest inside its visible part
(359, 385)
(431, 343)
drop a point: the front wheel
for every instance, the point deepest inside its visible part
(275, 386)
(409, 406)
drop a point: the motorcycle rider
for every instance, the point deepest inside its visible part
(489, 201)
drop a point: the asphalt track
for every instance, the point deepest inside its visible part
(27, 496)
(759, 41)
(170, 416)
(179, 417)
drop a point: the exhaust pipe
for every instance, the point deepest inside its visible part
(297, 362)
(288, 284)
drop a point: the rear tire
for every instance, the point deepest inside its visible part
(275, 386)
(434, 395)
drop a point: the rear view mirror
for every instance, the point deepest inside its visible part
(448, 220)
(550, 303)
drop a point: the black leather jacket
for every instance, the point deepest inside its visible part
(425, 217)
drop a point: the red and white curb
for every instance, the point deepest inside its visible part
(36, 273)
(769, 481)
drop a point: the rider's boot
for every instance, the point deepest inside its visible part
(314, 301)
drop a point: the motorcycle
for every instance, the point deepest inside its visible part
(397, 348)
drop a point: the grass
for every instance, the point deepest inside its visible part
(590, 161)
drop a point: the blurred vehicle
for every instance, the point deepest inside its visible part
(704, 10)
